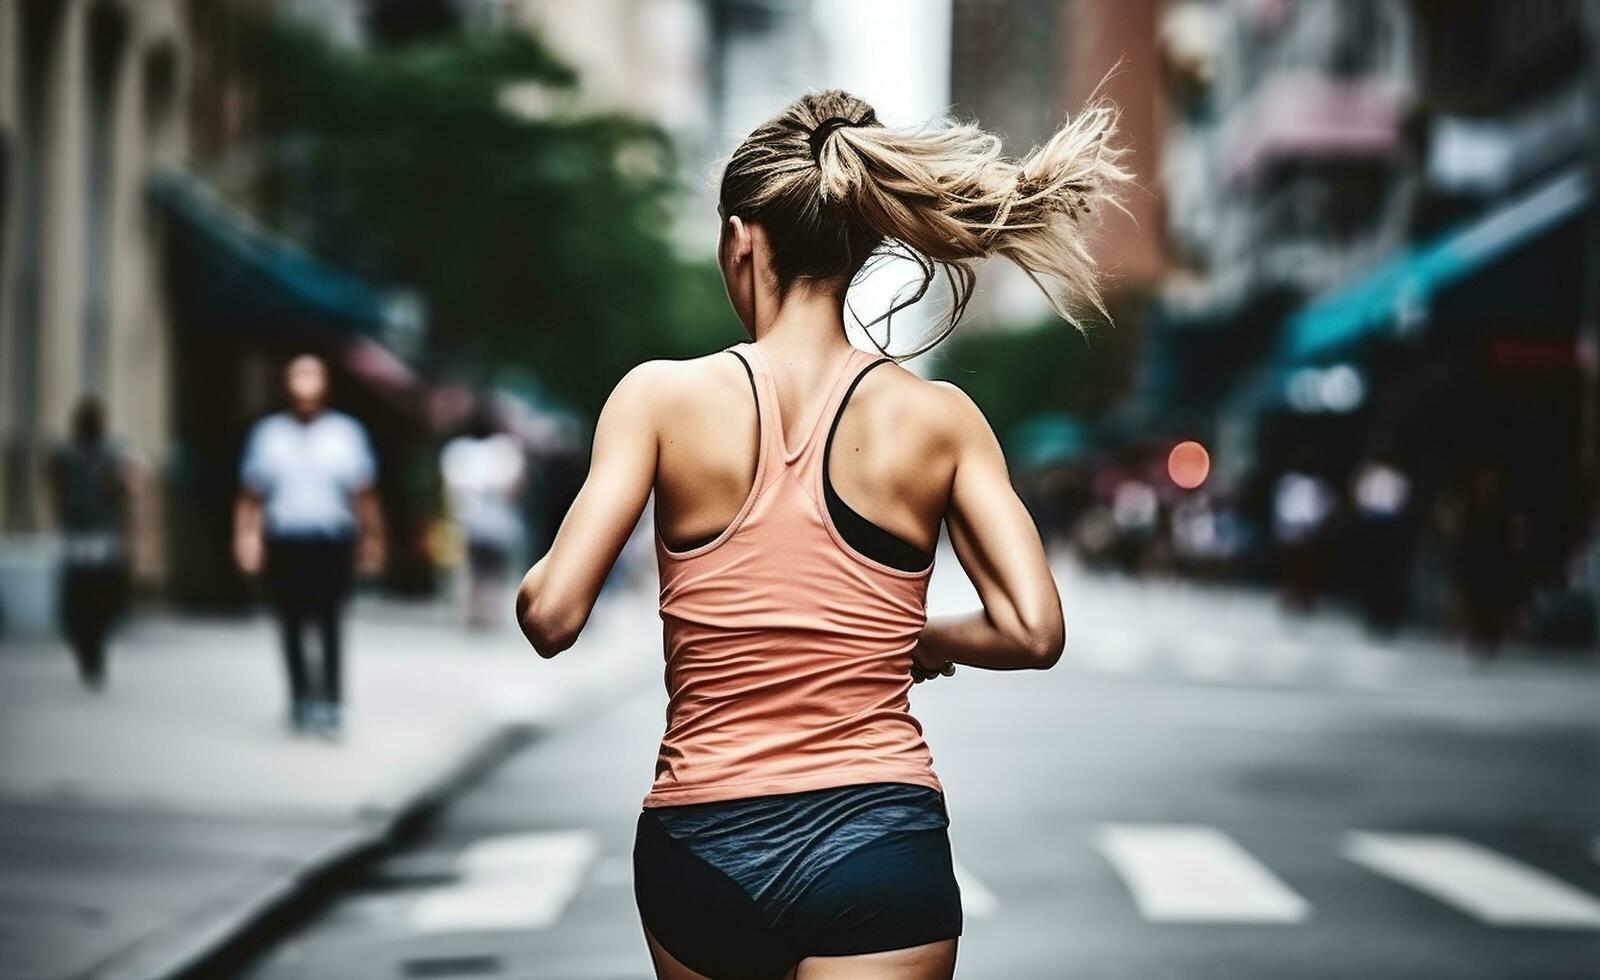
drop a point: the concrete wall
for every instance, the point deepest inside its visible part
(86, 116)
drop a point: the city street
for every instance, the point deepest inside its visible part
(1199, 789)
(1239, 296)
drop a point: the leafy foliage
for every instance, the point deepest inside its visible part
(537, 240)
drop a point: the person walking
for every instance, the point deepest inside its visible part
(482, 469)
(91, 483)
(307, 510)
(796, 826)
(1380, 491)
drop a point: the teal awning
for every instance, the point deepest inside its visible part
(1398, 291)
(230, 274)
(1048, 439)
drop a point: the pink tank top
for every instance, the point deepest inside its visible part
(788, 654)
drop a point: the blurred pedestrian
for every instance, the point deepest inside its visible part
(1381, 494)
(1485, 560)
(307, 509)
(1136, 515)
(483, 473)
(91, 487)
(800, 484)
(1303, 504)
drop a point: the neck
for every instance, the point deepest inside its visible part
(807, 326)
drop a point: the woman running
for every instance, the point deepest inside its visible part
(796, 827)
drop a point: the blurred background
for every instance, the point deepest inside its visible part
(1322, 497)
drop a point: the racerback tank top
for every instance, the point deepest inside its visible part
(788, 653)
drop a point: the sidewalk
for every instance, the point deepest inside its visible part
(144, 828)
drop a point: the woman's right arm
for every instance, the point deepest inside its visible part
(1021, 625)
(559, 592)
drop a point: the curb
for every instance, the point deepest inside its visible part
(222, 940)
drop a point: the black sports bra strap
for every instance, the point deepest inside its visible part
(861, 534)
(838, 413)
(754, 391)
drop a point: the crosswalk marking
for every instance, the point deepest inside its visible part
(1174, 873)
(976, 899)
(1196, 874)
(519, 881)
(1476, 880)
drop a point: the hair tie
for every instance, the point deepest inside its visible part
(826, 128)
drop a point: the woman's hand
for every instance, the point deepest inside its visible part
(926, 668)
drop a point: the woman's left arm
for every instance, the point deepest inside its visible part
(559, 591)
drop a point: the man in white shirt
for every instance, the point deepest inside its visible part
(307, 509)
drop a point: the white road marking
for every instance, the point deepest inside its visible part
(520, 881)
(1196, 874)
(1478, 881)
(976, 899)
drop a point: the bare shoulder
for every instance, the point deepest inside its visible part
(958, 410)
(946, 412)
(929, 419)
(664, 383)
(679, 396)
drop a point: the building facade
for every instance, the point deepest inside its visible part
(1290, 167)
(93, 98)
(99, 101)
(1390, 194)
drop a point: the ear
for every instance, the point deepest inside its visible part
(741, 245)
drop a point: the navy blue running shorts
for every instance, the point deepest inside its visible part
(745, 889)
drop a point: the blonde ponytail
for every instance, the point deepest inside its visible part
(943, 196)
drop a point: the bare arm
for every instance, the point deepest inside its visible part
(247, 532)
(559, 592)
(1020, 625)
(369, 524)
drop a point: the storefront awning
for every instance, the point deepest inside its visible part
(230, 274)
(1396, 294)
(1048, 439)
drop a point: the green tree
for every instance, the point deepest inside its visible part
(537, 240)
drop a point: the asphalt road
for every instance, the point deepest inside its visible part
(1200, 789)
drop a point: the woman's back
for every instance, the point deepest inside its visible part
(789, 613)
(892, 460)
